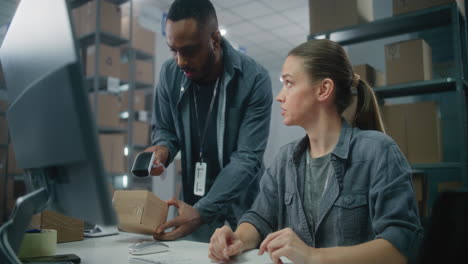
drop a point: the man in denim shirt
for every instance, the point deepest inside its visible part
(213, 104)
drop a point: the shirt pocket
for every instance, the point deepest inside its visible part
(288, 204)
(354, 216)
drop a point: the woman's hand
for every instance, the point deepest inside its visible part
(224, 244)
(285, 243)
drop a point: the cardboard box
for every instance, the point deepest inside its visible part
(405, 6)
(109, 106)
(395, 125)
(408, 61)
(112, 149)
(140, 133)
(144, 72)
(13, 167)
(366, 72)
(423, 133)
(4, 181)
(3, 130)
(68, 228)
(328, 15)
(139, 211)
(142, 39)
(3, 106)
(109, 61)
(420, 192)
(85, 18)
(138, 100)
(450, 185)
(379, 79)
(416, 130)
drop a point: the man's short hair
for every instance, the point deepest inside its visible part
(200, 10)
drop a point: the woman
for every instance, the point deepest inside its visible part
(343, 193)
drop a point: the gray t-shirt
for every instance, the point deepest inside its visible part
(316, 171)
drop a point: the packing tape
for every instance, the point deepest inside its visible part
(43, 243)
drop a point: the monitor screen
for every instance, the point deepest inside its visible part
(51, 125)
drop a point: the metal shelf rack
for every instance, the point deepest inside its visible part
(441, 16)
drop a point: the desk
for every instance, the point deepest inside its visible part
(114, 249)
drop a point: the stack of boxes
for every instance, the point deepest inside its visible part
(111, 65)
(416, 127)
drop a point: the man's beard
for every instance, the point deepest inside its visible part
(207, 68)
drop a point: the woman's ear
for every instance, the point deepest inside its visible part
(325, 90)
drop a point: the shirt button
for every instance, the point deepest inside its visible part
(349, 200)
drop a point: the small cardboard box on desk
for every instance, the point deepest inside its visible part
(68, 228)
(139, 211)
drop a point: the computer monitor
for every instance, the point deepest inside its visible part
(51, 125)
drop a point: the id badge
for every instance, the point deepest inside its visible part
(200, 179)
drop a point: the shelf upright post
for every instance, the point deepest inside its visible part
(131, 99)
(460, 90)
(97, 42)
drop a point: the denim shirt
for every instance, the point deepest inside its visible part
(368, 195)
(243, 122)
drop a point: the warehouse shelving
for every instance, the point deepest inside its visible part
(441, 16)
(97, 83)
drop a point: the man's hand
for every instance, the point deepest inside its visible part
(224, 244)
(161, 153)
(285, 243)
(185, 223)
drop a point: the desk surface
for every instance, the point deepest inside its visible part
(114, 249)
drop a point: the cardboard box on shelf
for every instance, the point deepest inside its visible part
(379, 79)
(108, 109)
(416, 130)
(139, 211)
(3, 130)
(420, 192)
(140, 133)
(138, 100)
(366, 72)
(395, 125)
(423, 133)
(408, 61)
(13, 167)
(144, 72)
(449, 185)
(406, 6)
(328, 15)
(112, 149)
(109, 61)
(85, 18)
(68, 228)
(3, 106)
(143, 39)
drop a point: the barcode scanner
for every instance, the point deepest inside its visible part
(143, 164)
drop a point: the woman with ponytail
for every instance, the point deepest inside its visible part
(341, 194)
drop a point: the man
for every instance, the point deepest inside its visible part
(213, 104)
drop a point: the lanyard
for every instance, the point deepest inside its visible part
(207, 121)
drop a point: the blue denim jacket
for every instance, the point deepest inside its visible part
(368, 195)
(243, 122)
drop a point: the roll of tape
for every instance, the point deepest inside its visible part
(39, 244)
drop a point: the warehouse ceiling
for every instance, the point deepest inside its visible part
(266, 29)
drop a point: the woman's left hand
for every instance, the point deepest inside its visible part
(285, 243)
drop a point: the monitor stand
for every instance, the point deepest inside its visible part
(12, 232)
